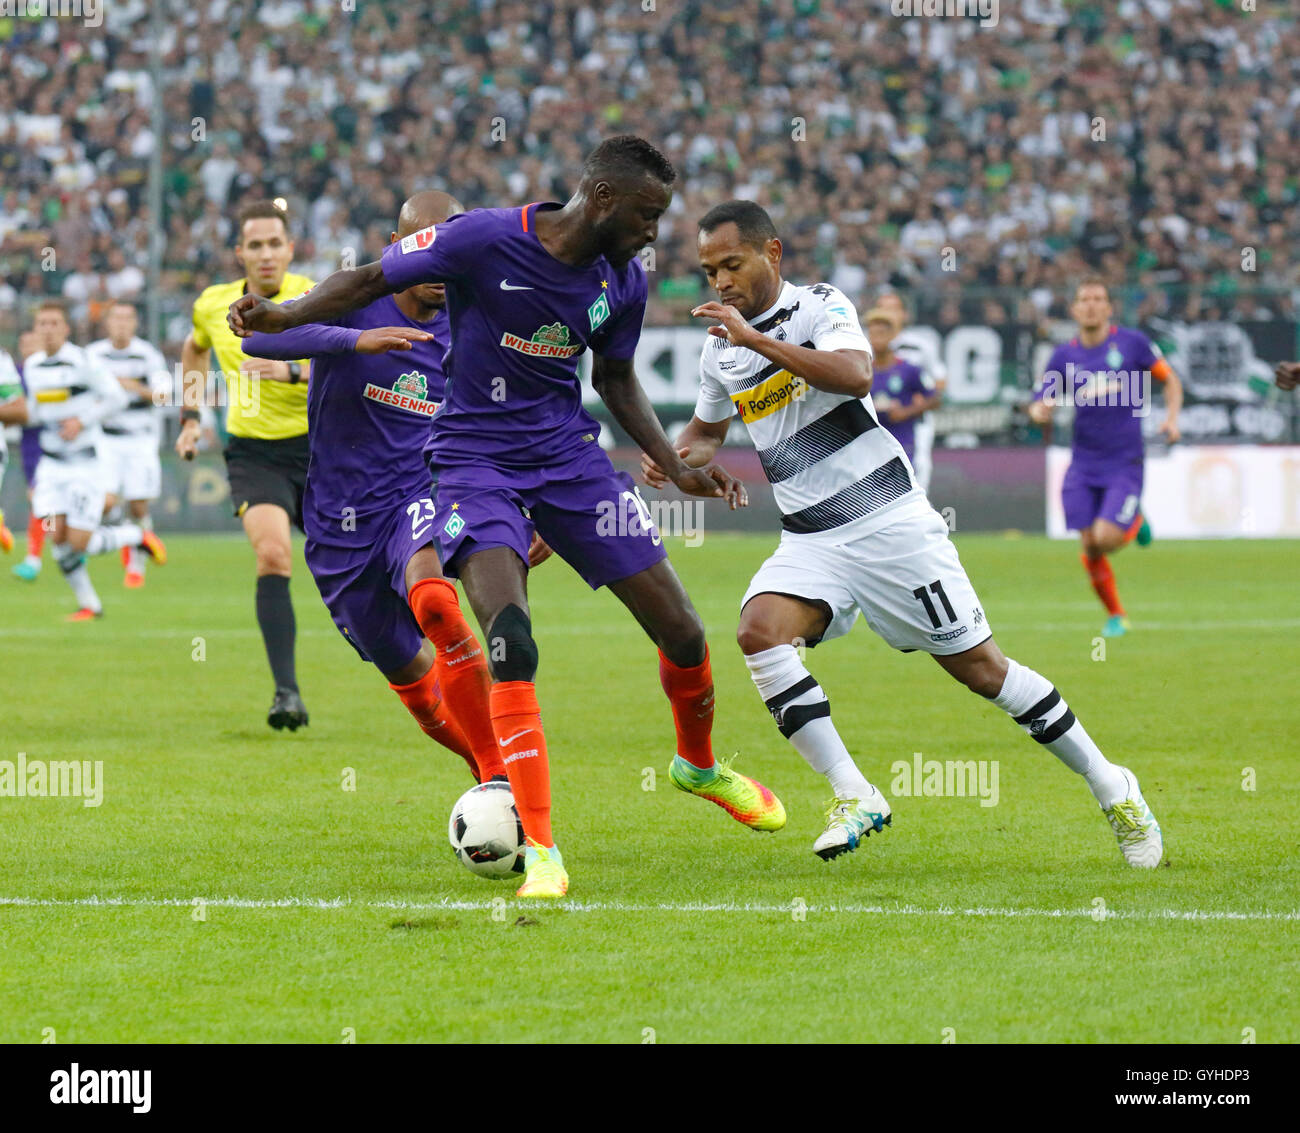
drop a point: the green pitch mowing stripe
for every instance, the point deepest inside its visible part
(340, 911)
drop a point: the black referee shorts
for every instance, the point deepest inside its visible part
(267, 472)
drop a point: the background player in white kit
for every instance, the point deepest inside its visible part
(921, 348)
(68, 395)
(129, 449)
(859, 535)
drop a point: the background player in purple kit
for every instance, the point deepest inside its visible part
(528, 290)
(899, 391)
(1104, 373)
(369, 535)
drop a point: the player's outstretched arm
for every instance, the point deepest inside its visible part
(1173, 406)
(835, 371)
(337, 295)
(615, 381)
(697, 444)
(314, 341)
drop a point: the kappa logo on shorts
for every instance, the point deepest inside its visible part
(951, 635)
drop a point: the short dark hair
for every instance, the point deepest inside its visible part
(751, 221)
(260, 210)
(1092, 281)
(626, 157)
(54, 305)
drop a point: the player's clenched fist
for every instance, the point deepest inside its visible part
(1287, 375)
(251, 312)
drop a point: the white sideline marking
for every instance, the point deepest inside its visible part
(623, 907)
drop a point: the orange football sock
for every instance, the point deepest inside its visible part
(690, 692)
(35, 536)
(1103, 582)
(423, 700)
(462, 669)
(518, 723)
(1133, 529)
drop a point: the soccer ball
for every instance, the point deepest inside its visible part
(485, 832)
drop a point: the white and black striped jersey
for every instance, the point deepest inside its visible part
(143, 362)
(11, 386)
(834, 471)
(70, 383)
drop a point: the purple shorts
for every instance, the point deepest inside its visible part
(591, 516)
(364, 586)
(1091, 494)
(30, 447)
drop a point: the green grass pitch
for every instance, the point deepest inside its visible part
(338, 914)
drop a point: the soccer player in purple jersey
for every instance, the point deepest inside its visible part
(528, 290)
(898, 389)
(1105, 374)
(369, 538)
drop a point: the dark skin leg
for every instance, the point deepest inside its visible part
(769, 620)
(423, 564)
(660, 604)
(982, 669)
(494, 579)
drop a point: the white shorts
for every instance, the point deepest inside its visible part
(905, 579)
(71, 488)
(131, 467)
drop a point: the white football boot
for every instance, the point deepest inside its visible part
(849, 821)
(1136, 828)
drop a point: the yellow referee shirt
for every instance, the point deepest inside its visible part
(269, 411)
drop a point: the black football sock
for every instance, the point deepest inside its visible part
(275, 617)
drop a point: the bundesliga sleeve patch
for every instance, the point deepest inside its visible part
(419, 241)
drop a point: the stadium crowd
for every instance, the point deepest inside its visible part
(1153, 141)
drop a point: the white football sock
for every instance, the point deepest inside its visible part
(73, 565)
(139, 557)
(111, 538)
(1032, 701)
(803, 713)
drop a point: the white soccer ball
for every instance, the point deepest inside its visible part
(485, 832)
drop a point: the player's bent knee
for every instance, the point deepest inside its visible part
(756, 636)
(986, 678)
(512, 652)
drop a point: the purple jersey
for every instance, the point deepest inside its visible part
(368, 418)
(1109, 386)
(519, 320)
(899, 382)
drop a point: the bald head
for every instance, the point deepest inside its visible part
(429, 206)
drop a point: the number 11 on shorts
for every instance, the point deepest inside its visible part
(935, 588)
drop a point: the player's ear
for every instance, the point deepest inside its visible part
(772, 249)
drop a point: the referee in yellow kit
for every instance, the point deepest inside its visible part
(266, 456)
